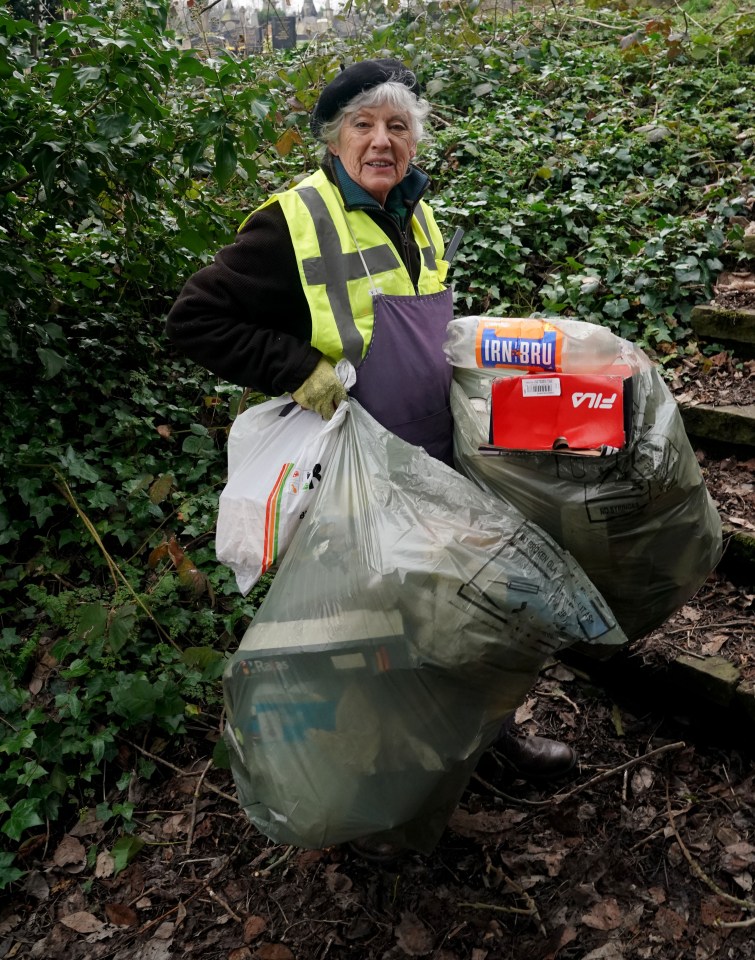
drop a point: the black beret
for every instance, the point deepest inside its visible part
(355, 80)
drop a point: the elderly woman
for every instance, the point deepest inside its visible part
(347, 263)
(316, 270)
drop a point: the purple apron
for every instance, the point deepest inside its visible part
(404, 381)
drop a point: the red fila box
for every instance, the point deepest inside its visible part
(562, 411)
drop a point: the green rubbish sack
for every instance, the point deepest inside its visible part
(408, 619)
(639, 521)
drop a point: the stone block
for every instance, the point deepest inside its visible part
(745, 698)
(739, 551)
(721, 323)
(728, 423)
(711, 679)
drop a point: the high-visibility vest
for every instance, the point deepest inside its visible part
(334, 251)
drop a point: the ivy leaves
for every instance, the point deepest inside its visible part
(593, 178)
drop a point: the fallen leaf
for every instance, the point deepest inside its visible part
(240, 953)
(605, 915)
(657, 895)
(525, 712)
(177, 823)
(642, 780)
(608, 951)
(82, 922)
(550, 859)
(413, 936)
(164, 430)
(153, 950)
(273, 951)
(560, 939)
(737, 856)
(690, 613)
(9, 923)
(337, 882)
(359, 928)
(560, 672)
(484, 822)
(714, 910)
(712, 646)
(36, 886)
(307, 857)
(69, 850)
(121, 914)
(104, 866)
(727, 836)
(671, 925)
(253, 927)
(87, 826)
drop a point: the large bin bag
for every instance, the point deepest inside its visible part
(639, 521)
(408, 619)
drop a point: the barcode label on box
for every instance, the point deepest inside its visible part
(542, 387)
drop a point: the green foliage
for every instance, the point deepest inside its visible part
(594, 161)
(595, 174)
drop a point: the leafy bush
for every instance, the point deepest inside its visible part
(594, 177)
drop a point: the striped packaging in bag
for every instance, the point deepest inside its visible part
(277, 455)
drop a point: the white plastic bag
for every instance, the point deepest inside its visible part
(277, 454)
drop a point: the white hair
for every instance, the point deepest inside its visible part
(392, 92)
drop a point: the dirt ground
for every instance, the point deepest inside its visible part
(646, 852)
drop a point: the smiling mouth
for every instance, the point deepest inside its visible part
(379, 164)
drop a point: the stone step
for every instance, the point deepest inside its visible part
(712, 322)
(724, 424)
(739, 553)
(709, 691)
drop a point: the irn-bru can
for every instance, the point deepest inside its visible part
(526, 345)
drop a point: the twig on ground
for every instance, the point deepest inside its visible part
(683, 650)
(163, 916)
(281, 859)
(708, 626)
(178, 770)
(580, 788)
(559, 694)
(666, 748)
(223, 903)
(194, 803)
(736, 923)
(659, 831)
(529, 911)
(700, 873)
(521, 892)
(216, 871)
(517, 801)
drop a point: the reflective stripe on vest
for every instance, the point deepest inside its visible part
(331, 269)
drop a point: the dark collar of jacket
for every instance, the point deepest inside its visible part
(400, 203)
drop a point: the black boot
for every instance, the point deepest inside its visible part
(534, 758)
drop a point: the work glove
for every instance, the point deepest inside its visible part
(322, 391)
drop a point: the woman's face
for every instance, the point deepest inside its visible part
(376, 146)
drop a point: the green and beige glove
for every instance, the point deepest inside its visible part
(322, 391)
